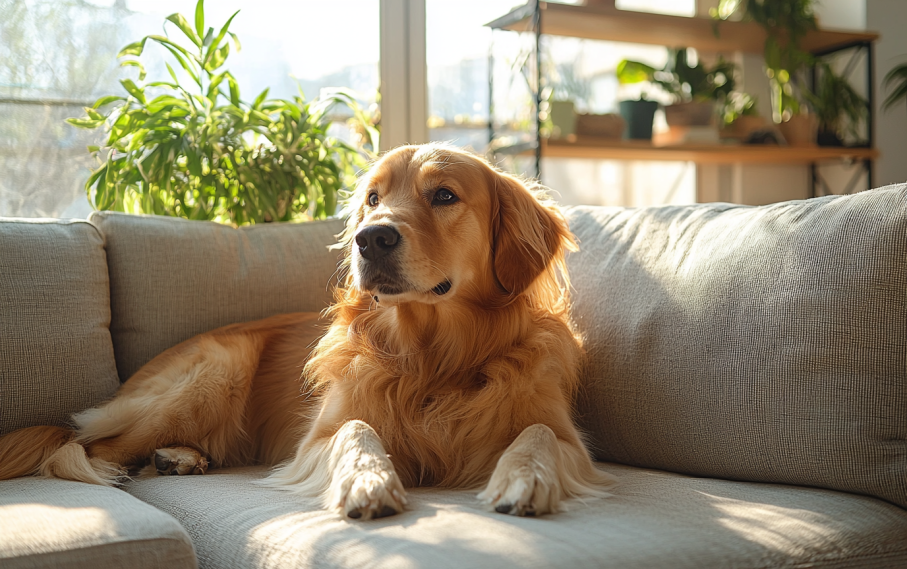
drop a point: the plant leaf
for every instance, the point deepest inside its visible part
(168, 42)
(106, 101)
(135, 48)
(634, 72)
(134, 63)
(133, 90)
(184, 64)
(217, 58)
(200, 18)
(213, 87)
(236, 42)
(234, 89)
(260, 98)
(220, 36)
(184, 26)
(85, 123)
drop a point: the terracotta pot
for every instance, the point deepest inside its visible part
(741, 128)
(800, 130)
(690, 114)
(603, 126)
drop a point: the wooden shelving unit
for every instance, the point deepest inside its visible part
(603, 149)
(610, 24)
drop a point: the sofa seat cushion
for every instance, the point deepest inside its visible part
(765, 344)
(56, 354)
(171, 279)
(57, 523)
(654, 519)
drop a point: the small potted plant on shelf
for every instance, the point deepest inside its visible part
(637, 114)
(838, 107)
(193, 148)
(740, 117)
(695, 89)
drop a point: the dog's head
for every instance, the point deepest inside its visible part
(434, 224)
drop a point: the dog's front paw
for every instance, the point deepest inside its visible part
(368, 493)
(522, 488)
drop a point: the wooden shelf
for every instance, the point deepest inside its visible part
(610, 24)
(606, 149)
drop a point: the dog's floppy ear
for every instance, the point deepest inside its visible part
(530, 236)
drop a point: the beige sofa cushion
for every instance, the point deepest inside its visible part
(56, 355)
(752, 343)
(654, 520)
(57, 523)
(171, 279)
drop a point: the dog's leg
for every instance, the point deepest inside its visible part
(537, 471)
(192, 398)
(350, 469)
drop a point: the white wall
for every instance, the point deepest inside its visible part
(889, 18)
(842, 14)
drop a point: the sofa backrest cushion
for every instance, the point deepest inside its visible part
(752, 343)
(171, 279)
(56, 355)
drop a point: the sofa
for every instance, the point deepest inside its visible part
(745, 379)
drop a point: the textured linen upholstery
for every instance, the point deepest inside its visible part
(751, 343)
(654, 519)
(171, 279)
(56, 355)
(57, 523)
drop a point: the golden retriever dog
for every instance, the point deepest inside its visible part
(448, 360)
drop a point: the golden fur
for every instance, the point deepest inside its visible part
(410, 385)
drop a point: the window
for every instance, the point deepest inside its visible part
(57, 57)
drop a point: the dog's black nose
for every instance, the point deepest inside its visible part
(376, 241)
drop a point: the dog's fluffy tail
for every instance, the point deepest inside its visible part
(49, 451)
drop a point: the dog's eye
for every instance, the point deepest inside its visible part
(444, 197)
(373, 199)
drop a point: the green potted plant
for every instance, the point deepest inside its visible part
(695, 89)
(192, 147)
(785, 22)
(637, 114)
(896, 81)
(740, 116)
(838, 107)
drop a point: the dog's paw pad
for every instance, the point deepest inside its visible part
(503, 508)
(179, 461)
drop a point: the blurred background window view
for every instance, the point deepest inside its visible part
(459, 48)
(57, 57)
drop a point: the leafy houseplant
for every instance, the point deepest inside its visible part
(694, 88)
(196, 149)
(896, 78)
(837, 106)
(785, 22)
